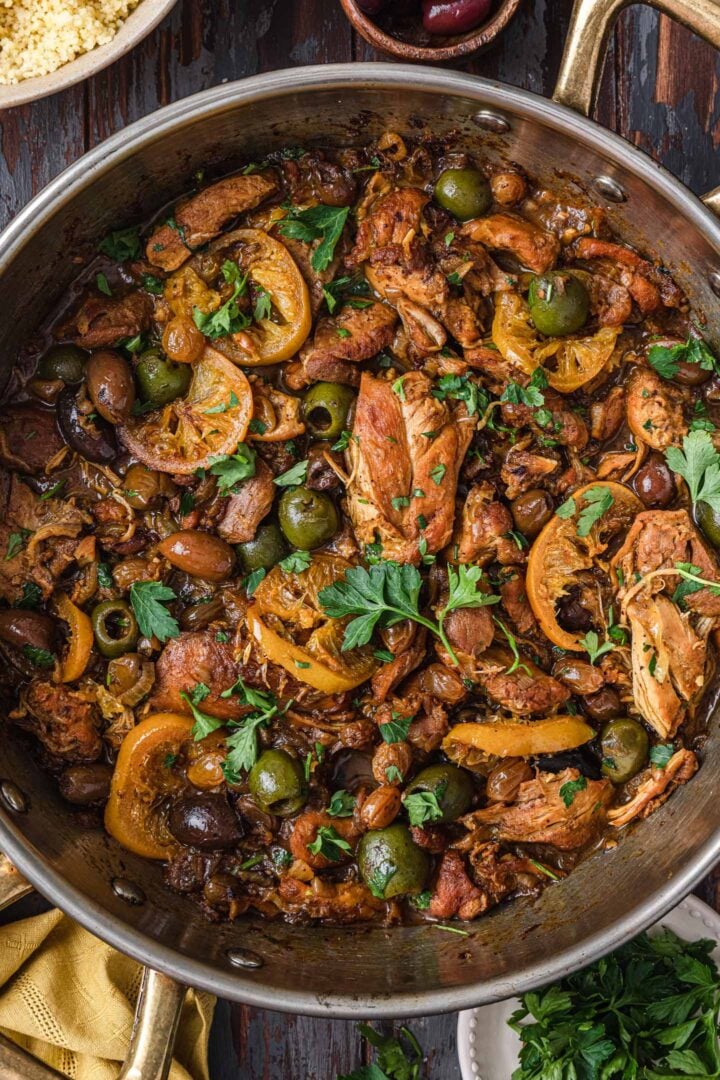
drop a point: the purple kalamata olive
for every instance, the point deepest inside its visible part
(454, 16)
(91, 436)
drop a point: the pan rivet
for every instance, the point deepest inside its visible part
(244, 958)
(491, 121)
(610, 188)
(714, 281)
(13, 798)
(128, 891)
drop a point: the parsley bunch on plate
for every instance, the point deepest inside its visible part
(647, 1012)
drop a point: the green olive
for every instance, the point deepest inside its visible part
(709, 521)
(464, 193)
(325, 409)
(559, 303)
(307, 518)
(115, 628)
(624, 744)
(451, 786)
(66, 362)
(390, 863)
(262, 552)
(159, 379)
(277, 783)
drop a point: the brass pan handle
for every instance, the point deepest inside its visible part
(157, 1015)
(590, 26)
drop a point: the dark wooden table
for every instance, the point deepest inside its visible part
(660, 90)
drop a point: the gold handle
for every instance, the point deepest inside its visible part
(157, 1015)
(590, 27)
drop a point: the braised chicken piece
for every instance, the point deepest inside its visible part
(533, 247)
(399, 472)
(204, 216)
(344, 340)
(655, 786)
(542, 814)
(361, 529)
(101, 321)
(654, 410)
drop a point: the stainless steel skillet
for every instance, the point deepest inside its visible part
(361, 971)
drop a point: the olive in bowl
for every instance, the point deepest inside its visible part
(325, 409)
(625, 745)
(307, 518)
(464, 193)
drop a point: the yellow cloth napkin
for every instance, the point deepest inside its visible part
(69, 999)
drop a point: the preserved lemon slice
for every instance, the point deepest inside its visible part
(517, 738)
(569, 362)
(286, 604)
(141, 779)
(210, 420)
(560, 559)
(271, 267)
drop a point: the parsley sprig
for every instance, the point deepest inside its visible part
(323, 223)
(388, 593)
(153, 618)
(230, 469)
(597, 501)
(666, 359)
(397, 1059)
(699, 465)
(648, 1010)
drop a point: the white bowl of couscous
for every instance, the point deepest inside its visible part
(48, 45)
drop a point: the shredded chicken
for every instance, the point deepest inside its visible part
(655, 787)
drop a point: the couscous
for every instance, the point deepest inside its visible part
(39, 36)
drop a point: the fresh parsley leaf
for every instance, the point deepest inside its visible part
(396, 1059)
(531, 394)
(31, 596)
(422, 807)
(230, 469)
(39, 658)
(228, 319)
(257, 427)
(516, 664)
(699, 465)
(204, 724)
(686, 587)
(660, 754)
(597, 500)
(281, 858)
(342, 804)
(199, 692)
(122, 244)
(566, 509)
(461, 388)
(187, 502)
(16, 542)
(254, 860)
(437, 473)
(223, 407)
(153, 618)
(105, 578)
(152, 284)
(666, 359)
(295, 562)
(251, 582)
(422, 900)
(393, 775)
(242, 747)
(102, 283)
(332, 291)
(263, 304)
(329, 844)
(396, 730)
(343, 442)
(296, 474)
(324, 223)
(381, 877)
(570, 788)
(591, 645)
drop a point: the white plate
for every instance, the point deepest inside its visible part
(138, 25)
(488, 1049)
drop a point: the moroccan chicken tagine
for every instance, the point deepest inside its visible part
(360, 537)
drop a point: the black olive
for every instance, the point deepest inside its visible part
(572, 616)
(93, 439)
(584, 759)
(654, 483)
(86, 784)
(205, 821)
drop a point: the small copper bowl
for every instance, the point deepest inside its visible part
(414, 44)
